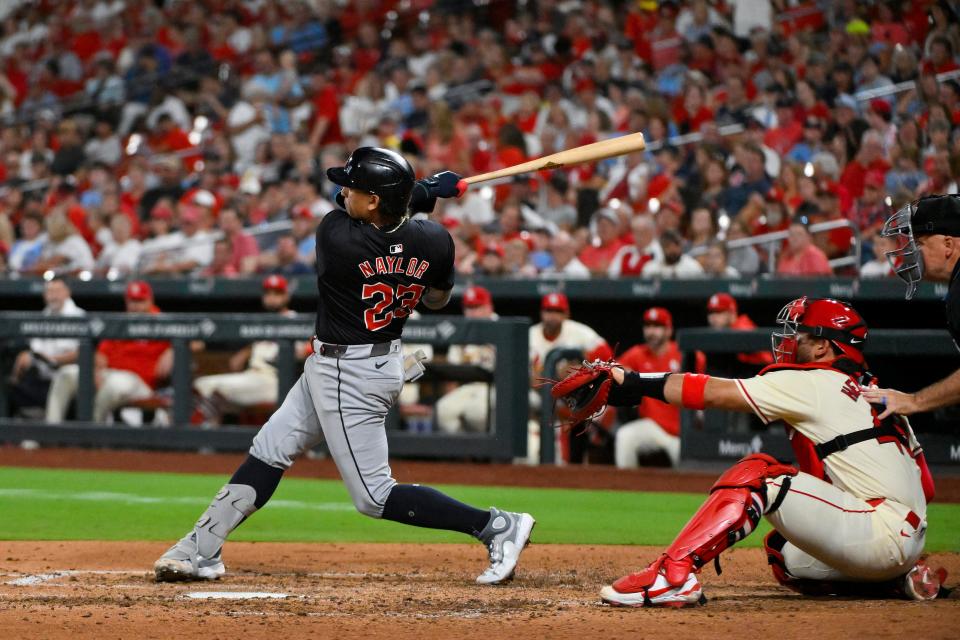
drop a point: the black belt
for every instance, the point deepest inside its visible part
(340, 350)
(841, 442)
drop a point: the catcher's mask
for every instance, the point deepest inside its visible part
(826, 318)
(930, 215)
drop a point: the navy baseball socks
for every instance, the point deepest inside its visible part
(504, 533)
(196, 556)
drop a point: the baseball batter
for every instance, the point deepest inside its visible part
(374, 265)
(849, 518)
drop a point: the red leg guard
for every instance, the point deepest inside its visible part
(736, 503)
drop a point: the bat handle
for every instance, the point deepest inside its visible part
(461, 187)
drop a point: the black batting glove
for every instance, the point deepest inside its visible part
(426, 191)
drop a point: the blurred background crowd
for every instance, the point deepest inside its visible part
(189, 138)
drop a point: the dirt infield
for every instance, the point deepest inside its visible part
(105, 589)
(94, 589)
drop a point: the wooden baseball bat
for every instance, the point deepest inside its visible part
(578, 155)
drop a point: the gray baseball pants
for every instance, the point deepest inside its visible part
(343, 398)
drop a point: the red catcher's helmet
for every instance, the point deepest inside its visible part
(826, 318)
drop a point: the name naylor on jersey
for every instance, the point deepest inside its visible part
(414, 268)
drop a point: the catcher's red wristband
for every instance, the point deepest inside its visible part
(692, 390)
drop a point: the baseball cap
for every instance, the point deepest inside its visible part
(608, 214)
(301, 211)
(493, 247)
(658, 316)
(275, 282)
(880, 107)
(874, 179)
(161, 212)
(555, 302)
(721, 302)
(812, 122)
(139, 290)
(937, 215)
(476, 297)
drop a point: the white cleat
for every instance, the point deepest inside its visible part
(508, 534)
(629, 591)
(182, 563)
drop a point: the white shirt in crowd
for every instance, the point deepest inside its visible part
(122, 257)
(630, 255)
(75, 249)
(686, 267)
(51, 348)
(245, 142)
(572, 270)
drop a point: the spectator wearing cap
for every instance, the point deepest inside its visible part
(104, 146)
(121, 255)
(598, 255)
(124, 370)
(674, 263)
(879, 116)
(467, 407)
(253, 376)
(810, 144)
(34, 367)
(490, 259)
(870, 157)
(655, 435)
(556, 330)
(801, 257)
(879, 266)
(244, 248)
(631, 259)
(722, 314)
(516, 258)
(566, 264)
(847, 123)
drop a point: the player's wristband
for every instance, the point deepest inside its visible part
(636, 387)
(692, 390)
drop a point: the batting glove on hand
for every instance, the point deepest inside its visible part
(444, 185)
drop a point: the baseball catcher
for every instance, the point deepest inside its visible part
(850, 516)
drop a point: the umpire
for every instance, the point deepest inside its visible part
(928, 234)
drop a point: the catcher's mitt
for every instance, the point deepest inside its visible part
(585, 390)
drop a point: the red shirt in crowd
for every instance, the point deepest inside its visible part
(137, 356)
(812, 261)
(643, 360)
(855, 173)
(599, 258)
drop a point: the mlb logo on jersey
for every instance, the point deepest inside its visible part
(396, 248)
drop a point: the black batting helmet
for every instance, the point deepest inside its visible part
(379, 171)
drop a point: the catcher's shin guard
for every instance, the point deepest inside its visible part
(737, 501)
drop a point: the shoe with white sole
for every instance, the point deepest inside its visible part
(182, 562)
(633, 591)
(505, 535)
(923, 582)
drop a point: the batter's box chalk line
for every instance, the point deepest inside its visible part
(237, 595)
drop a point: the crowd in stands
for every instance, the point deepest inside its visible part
(190, 137)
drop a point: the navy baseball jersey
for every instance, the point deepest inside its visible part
(370, 281)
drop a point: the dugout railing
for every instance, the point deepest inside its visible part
(718, 435)
(509, 336)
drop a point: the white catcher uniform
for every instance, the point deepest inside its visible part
(861, 513)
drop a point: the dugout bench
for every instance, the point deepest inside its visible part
(510, 379)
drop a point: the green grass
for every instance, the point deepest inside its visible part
(42, 504)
